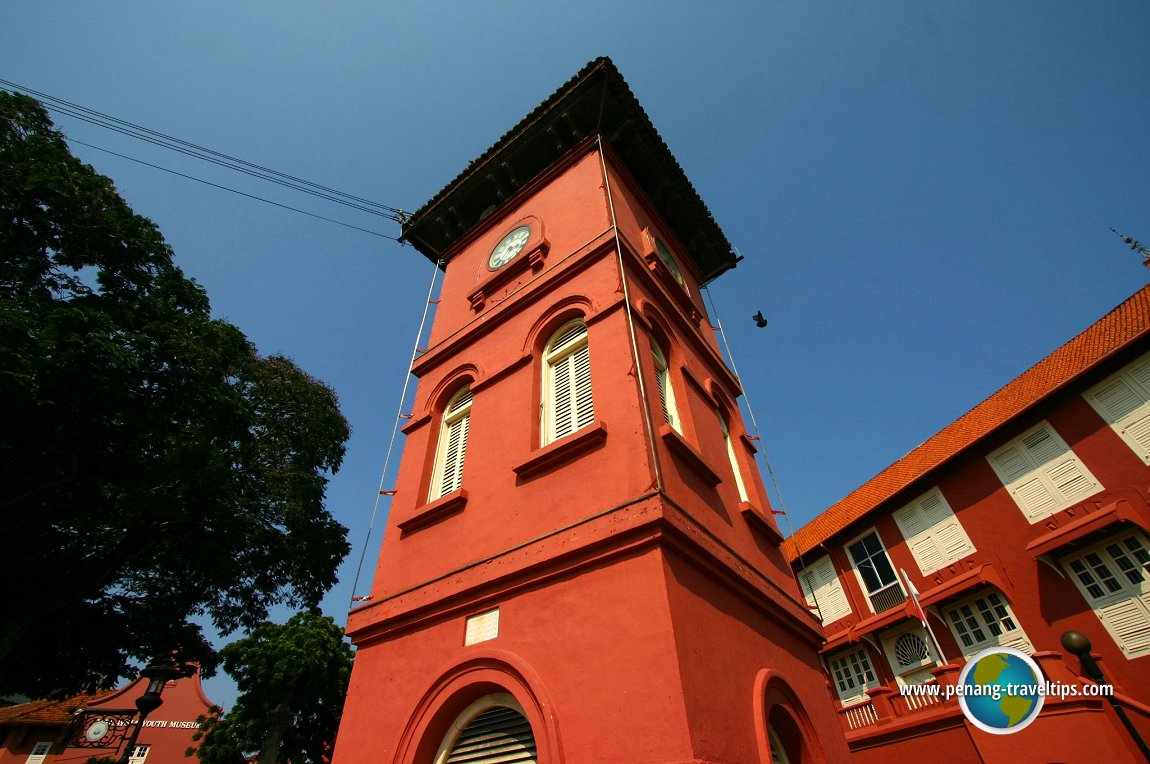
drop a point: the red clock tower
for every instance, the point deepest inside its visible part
(580, 562)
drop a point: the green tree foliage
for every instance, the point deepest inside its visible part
(292, 680)
(155, 467)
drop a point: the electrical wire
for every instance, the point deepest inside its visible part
(391, 442)
(194, 150)
(763, 451)
(234, 191)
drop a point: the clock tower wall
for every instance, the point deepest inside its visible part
(566, 209)
(696, 465)
(518, 484)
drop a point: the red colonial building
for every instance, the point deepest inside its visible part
(74, 730)
(581, 564)
(1025, 518)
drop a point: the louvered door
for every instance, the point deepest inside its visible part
(499, 735)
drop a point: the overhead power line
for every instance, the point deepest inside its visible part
(234, 191)
(215, 157)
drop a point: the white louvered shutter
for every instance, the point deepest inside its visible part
(1123, 401)
(39, 753)
(448, 474)
(1042, 474)
(821, 586)
(666, 391)
(569, 368)
(933, 533)
(1113, 577)
(983, 621)
(499, 735)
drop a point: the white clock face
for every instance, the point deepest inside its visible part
(506, 250)
(96, 731)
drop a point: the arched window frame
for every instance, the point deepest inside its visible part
(567, 402)
(732, 455)
(451, 451)
(665, 386)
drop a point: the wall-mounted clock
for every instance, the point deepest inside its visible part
(508, 247)
(97, 730)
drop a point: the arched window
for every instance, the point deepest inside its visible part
(492, 729)
(742, 486)
(666, 391)
(567, 404)
(448, 472)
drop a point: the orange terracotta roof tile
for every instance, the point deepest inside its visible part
(1126, 322)
(48, 712)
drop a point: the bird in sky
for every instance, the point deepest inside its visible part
(759, 320)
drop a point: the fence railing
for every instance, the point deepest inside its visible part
(886, 703)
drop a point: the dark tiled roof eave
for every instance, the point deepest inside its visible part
(1114, 331)
(596, 101)
(49, 712)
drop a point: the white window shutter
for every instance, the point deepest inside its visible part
(39, 753)
(1114, 577)
(447, 475)
(1123, 400)
(567, 403)
(1041, 473)
(933, 533)
(1128, 621)
(584, 406)
(820, 584)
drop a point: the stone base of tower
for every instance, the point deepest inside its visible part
(623, 639)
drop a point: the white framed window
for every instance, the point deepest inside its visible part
(139, 753)
(567, 404)
(1041, 473)
(933, 533)
(39, 753)
(852, 674)
(985, 620)
(822, 588)
(909, 654)
(1114, 577)
(740, 484)
(447, 475)
(666, 390)
(491, 730)
(875, 573)
(1123, 400)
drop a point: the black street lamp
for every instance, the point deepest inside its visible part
(158, 676)
(1079, 644)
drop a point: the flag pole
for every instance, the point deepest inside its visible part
(921, 614)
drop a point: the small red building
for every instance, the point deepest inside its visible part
(1027, 517)
(74, 730)
(581, 564)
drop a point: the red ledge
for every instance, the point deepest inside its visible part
(986, 573)
(688, 455)
(1120, 511)
(434, 511)
(563, 450)
(757, 520)
(677, 291)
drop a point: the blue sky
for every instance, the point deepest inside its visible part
(922, 192)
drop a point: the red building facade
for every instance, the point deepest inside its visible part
(581, 563)
(57, 732)
(1025, 518)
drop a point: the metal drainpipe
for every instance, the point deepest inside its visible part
(631, 323)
